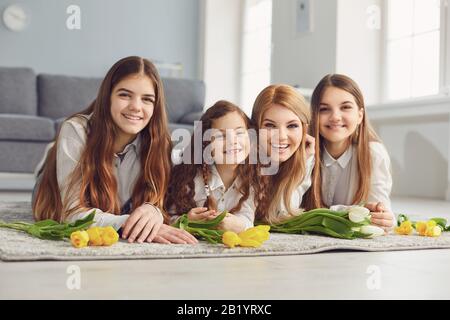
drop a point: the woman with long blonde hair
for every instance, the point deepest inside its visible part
(281, 116)
(352, 165)
(114, 157)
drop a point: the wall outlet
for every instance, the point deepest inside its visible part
(303, 16)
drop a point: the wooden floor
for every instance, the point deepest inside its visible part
(337, 275)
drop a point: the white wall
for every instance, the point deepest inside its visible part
(417, 137)
(110, 29)
(220, 48)
(303, 59)
(359, 47)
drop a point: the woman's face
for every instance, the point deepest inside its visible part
(280, 133)
(132, 105)
(339, 115)
(230, 142)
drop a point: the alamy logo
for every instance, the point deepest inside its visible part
(374, 17)
(73, 281)
(374, 280)
(73, 21)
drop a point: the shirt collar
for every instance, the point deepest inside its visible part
(135, 144)
(343, 160)
(215, 181)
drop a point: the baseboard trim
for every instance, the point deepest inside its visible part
(12, 181)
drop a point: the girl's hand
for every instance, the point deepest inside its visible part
(143, 224)
(380, 217)
(310, 146)
(201, 213)
(168, 234)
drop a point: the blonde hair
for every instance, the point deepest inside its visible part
(272, 190)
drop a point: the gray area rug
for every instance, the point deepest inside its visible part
(17, 246)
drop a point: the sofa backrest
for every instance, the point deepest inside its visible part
(58, 96)
(18, 93)
(62, 96)
(183, 96)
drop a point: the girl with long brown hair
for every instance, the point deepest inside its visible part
(114, 157)
(281, 117)
(352, 165)
(215, 173)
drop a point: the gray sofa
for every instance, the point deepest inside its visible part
(33, 106)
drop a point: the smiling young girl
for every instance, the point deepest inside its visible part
(215, 175)
(281, 116)
(114, 157)
(352, 165)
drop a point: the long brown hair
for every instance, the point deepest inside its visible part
(273, 188)
(92, 181)
(361, 138)
(181, 192)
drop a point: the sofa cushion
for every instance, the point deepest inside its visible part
(183, 96)
(18, 91)
(20, 156)
(26, 128)
(62, 96)
(190, 117)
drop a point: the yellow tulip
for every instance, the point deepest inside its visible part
(231, 239)
(95, 236)
(79, 239)
(255, 233)
(421, 228)
(263, 227)
(109, 236)
(250, 243)
(405, 228)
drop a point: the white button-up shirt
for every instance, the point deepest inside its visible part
(340, 176)
(127, 167)
(226, 199)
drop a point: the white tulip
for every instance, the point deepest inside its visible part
(374, 231)
(358, 214)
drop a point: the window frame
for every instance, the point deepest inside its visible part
(444, 57)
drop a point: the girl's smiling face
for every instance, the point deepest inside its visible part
(339, 115)
(230, 142)
(281, 133)
(132, 105)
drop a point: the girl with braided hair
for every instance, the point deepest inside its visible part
(215, 173)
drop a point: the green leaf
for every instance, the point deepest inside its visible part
(440, 222)
(400, 218)
(336, 226)
(208, 223)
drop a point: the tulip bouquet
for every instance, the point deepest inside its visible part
(50, 229)
(96, 236)
(76, 231)
(207, 230)
(431, 228)
(347, 224)
(252, 237)
(203, 229)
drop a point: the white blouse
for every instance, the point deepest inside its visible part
(226, 199)
(340, 176)
(127, 167)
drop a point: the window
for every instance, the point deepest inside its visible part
(256, 50)
(413, 48)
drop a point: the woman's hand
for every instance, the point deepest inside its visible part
(201, 213)
(143, 224)
(380, 217)
(310, 143)
(168, 234)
